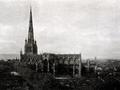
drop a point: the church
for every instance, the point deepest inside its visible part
(57, 64)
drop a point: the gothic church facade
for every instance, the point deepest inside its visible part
(57, 64)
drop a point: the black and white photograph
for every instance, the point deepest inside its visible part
(59, 44)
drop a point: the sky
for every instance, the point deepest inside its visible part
(90, 27)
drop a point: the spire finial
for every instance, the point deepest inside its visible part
(30, 8)
(31, 16)
(30, 33)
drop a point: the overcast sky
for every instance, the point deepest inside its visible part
(90, 27)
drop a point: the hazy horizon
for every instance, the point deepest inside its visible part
(90, 27)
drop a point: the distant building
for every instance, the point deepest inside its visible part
(58, 64)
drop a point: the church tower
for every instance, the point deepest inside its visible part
(30, 44)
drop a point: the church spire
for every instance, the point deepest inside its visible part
(30, 32)
(30, 44)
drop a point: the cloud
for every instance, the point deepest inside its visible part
(63, 26)
(82, 26)
(10, 0)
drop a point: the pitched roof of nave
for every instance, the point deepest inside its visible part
(59, 58)
(32, 59)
